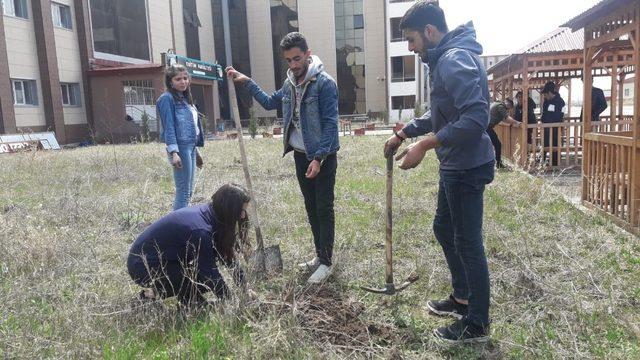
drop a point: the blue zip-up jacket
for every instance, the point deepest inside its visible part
(318, 111)
(459, 114)
(184, 235)
(178, 127)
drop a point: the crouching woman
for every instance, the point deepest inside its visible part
(178, 255)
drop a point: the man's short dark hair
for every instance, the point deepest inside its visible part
(509, 102)
(423, 13)
(294, 39)
(549, 87)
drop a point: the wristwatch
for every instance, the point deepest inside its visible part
(319, 159)
(398, 136)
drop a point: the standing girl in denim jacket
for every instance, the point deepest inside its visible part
(181, 131)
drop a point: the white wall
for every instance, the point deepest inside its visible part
(22, 55)
(69, 66)
(261, 49)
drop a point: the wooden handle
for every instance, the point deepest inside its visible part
(245, 165)
(389, 208)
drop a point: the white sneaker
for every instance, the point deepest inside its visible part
(309, 264)
(321, 274)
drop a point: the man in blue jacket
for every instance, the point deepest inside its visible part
(309, 101)
(456, 126)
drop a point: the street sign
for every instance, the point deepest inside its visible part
(197, 68)
(14, 147)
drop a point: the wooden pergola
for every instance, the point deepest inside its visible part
(611, 168)
(558, 57)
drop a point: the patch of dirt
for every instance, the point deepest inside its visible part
(332, 318)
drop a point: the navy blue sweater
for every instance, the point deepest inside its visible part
(184, 235)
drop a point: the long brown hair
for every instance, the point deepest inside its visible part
(228, 204)
(169, 73)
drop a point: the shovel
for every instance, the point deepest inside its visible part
(389, 287)
(263, 260)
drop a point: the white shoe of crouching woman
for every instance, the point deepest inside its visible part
(321, 274)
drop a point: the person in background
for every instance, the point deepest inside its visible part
(552, 113)
(181, 131)
(499, 112)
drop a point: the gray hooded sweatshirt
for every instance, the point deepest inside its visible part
(315, 67)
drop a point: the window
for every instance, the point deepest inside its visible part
(70, 94)
(403, 102)
(350, 56)
(627, 92)
(358, 22)
(17, 8)
(396, 33)
(61, 15)
(191, 25)
(25, 92)
(403, 68)
(139, 92)
(119, 27)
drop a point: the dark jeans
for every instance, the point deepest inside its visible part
(458, 227)
(318, 196)
(548, 132)
(173, 279)
(497, 145)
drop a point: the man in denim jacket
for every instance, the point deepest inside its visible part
(458, 121)
(309, 101)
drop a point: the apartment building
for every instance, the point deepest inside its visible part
(93, 68)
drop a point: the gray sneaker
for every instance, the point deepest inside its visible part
(321, 274)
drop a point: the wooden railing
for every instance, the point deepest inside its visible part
(547, 142)
(609, 177)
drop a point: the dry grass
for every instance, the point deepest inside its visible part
(564, 284)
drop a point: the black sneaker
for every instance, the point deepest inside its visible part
(461, 332)
(449, 307)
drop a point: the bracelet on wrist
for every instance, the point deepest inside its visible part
(398, 136)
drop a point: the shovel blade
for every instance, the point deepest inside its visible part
(273, 259)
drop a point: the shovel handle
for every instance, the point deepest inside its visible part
(389, 211)
(245, 166)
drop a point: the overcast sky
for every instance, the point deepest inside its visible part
(505, 26)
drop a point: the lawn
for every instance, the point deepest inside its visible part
(565, 284)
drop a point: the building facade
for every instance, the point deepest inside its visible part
(406, 78)
(94, 68)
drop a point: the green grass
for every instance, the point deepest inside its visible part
(564, 283)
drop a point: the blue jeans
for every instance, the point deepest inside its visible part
(458, 227)
(184, 178)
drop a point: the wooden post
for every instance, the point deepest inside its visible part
(614, 94)
(524, 147)
(635, 175)
(620, 96)
(569, 99)
(586, 120)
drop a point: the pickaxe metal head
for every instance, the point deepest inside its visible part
(391, 288)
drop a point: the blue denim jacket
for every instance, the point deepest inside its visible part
(177, 123)
(318, 113)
